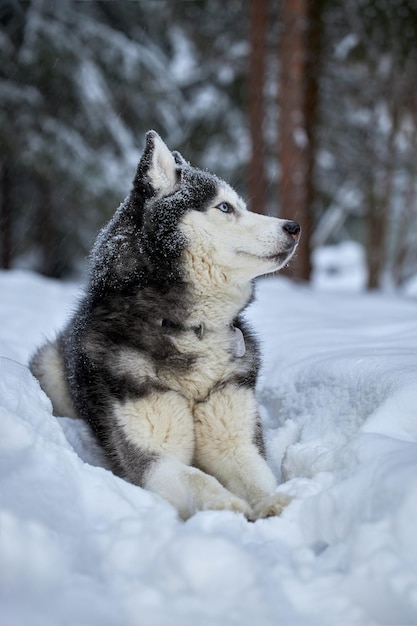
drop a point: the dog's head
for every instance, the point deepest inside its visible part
(192, 214)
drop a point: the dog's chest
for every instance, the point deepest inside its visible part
(213, 358)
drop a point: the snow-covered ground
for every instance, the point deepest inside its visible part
(81, 547)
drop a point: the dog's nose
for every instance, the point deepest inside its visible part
(293, 229)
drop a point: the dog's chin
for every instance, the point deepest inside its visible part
(279, 259)
(267, 264)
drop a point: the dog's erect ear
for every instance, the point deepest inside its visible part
(157, 165)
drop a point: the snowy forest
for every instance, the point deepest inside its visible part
(308, 108)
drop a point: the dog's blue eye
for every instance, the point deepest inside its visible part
(225, 207)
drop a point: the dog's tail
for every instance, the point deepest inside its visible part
(47, 366)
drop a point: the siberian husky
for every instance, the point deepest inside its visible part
(158, 359)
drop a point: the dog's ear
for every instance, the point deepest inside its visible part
(157, 166)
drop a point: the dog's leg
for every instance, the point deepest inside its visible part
(162, 425)
(225, 428)
(190, 490)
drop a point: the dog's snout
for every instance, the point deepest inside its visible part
(293, 229)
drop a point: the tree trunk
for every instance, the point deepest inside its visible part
(299, 56)
(405, 252)
(6, 218)
(50, 261)
(256, 174)
(378, 213)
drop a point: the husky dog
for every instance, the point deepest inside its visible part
(157, 359)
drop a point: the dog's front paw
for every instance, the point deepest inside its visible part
(271, 506)
(229, 502)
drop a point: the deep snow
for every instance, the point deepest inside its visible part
(81, 547)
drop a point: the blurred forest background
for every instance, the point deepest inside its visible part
(308, 107)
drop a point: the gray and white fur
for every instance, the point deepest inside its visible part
(157, 358)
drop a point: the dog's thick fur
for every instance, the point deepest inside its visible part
(157, 359)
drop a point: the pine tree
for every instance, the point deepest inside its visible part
(80, 83)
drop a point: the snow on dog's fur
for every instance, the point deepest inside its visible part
(157, 359)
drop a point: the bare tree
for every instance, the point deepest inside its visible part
(256, 171)
(5, 218)
(298, 90)
(369, 131)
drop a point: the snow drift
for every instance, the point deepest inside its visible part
(79, 546)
